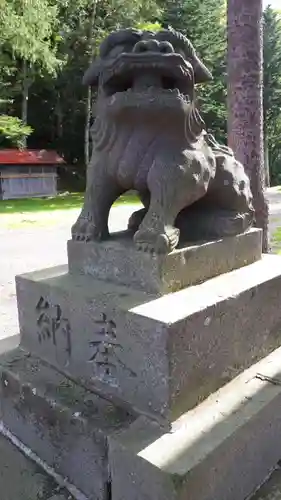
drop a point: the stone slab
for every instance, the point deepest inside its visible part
(220, 450)
(65, 425)
(159, 355)
(118, 261)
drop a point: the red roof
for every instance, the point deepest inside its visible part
(29, 157)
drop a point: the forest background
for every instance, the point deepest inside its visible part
(46, 45)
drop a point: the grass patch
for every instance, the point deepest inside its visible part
(50, 211)
(35, 205)
(66, 201)
(276, 241)
(276, 238)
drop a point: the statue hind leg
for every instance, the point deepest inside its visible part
(227, 208)
(230, 196)
(138, 216)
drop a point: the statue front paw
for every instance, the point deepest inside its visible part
(86, 229)
(159, 242)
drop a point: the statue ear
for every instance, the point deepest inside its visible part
(201, 72)
(91, 76)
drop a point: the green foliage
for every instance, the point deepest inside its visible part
(46, 45)
(27, 48)
(65, 201)
(27, 31)
(148, 26)
(12, 131)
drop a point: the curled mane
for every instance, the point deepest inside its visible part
(104, 131)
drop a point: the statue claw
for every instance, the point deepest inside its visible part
(155, 242)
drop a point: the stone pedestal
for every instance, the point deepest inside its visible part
(160, 355)
(118, 261)
(141, 391)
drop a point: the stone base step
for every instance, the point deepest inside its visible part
(64, 425)
(220, 450)
(21, 479)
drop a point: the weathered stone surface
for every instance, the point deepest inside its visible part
(220, 450)
(160, 355)
(65, 425)
(118, 261)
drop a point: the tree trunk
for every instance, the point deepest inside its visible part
(266, 163)
(88, 126)
(59, 116)
(245, 110)
(89, 93)
(25, 89)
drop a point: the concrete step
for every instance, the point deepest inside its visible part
(66, 426)
(220, 450)
(21, 479)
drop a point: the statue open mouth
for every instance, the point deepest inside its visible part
(138, 73)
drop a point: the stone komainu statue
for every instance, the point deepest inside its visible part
(149, 136)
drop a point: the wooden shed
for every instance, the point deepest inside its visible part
(28, 173)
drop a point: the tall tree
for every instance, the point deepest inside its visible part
(27, 44)
(245, 110)
(91, 52)
(203, 21)
(64, 102)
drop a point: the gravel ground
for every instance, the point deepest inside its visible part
(32, 248)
